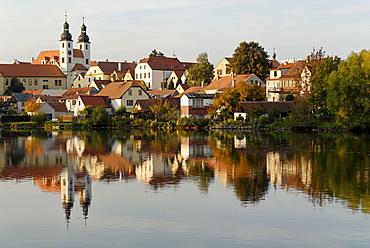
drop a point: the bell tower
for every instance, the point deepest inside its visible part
(66, 48)
(84, 44)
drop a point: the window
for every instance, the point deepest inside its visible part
(6, 81)
(56, 82)
(144, 66)
(136, 75)
(148, 74)
(198, 103)
(63, 60)
(24, 81)
(45, 80)
(69, 60)
(29, 81)
(144, 75)
(275, 73)
(63, 45)
(140, 67)
(130, 92)
(141, 75)
(69, 45)
(45, 87)
(219, 71)
(130, 102)
(80, 46)
(87, 47)
(87, 61)
(140, 92)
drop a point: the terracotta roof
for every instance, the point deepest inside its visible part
(161, 93)
(285, 66)
(185, 86)
(226, 82)
(187, 65)
(286, 106)
(146, 104)
(100, 84)
(95, 101)
(49, 99)
(110, 67)
(58, 106)
(30, 70)
(197, 95)
(163, 63)
(117, 89)
(83, 90)
(47, 56)
(79, 67)
(34, 92)
(77, 53)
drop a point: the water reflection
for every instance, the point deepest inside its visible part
(324, 167)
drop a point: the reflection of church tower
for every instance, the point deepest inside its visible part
(84, 44)
(67, 191)
(66, 48)
(85, 193)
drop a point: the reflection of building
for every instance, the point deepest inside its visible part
(296, 173)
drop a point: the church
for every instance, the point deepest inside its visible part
(71, 61)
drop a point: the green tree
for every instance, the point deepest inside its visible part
(225, 104)
(121, 111)
(301, 115)
(39, 117)
(164, 110)
(348, 91)
(320, 84)
(250, 58)
(201, 72)
(99, 117)
(156, 53)
(16, 86)
(87, 110)
(171, 85)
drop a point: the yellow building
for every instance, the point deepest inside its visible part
(33, 77)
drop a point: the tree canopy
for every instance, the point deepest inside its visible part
(156, 53)
(250, 58)
(16, 86)
(348, 90)
(201, 72)
(227, 101)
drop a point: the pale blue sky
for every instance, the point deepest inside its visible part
(129, 30)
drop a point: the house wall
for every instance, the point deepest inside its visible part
(95, 73)
(34, 83)
(220, 69)
(152, 78)
(135, 95)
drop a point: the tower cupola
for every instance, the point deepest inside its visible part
(66, 35)
(83, 36)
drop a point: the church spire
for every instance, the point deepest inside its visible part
(66, 35)
(83, 36)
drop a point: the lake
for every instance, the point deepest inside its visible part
(143, 188)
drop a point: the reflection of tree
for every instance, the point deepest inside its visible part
(200, 173)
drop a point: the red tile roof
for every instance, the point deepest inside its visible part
(95, 101)
(83, 90)
(30, 70)
(79, 67)
(110, 67)
(58, 106)
(163, 63)
(227, 82)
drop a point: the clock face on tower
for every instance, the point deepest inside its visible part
(69, 52)
(63, 52)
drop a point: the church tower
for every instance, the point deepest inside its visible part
(66, 49)
(84, 44)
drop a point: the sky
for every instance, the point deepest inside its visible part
(130, 30)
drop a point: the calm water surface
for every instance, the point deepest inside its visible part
(184, 189)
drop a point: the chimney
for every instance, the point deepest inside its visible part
(119, 66)
(16, 61)
(106, 60)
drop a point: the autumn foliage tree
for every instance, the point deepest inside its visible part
(227, 101)
(31, 106)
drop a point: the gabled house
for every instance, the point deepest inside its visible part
(124, 94)
(54, 109)
(104, 70)
(181, 88)
(288, 79)
(195, 104)
(20, 100)
(99, 84)
(225, 82)
(94, 101)
(155, 71)
(143, 107)
(162, 93)
(222, 68)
